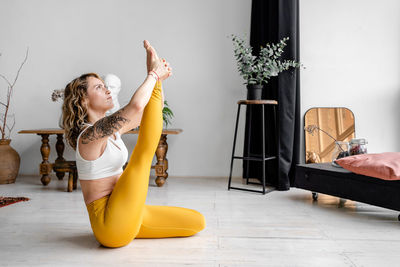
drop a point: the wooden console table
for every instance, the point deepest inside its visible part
(46, 167)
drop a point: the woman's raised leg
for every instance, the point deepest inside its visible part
(122, 215)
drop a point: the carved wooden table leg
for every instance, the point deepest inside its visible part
(75, 179)
(60, 151)
(70, 181)
(45, 167)
(161, 166)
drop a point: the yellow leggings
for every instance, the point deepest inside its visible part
(118, 218)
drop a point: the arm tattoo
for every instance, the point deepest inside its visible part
(104, 127)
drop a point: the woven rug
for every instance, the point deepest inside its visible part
(5, 201)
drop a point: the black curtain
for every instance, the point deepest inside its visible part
(272, 21)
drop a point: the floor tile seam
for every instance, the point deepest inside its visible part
(367, 240)
(272, 237)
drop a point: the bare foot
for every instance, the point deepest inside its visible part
(154, 63)
(151, 54)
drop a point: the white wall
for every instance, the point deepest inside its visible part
(352, 53)
(350, 49)
(68, 38)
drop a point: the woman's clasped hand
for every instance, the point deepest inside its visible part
(155, 64)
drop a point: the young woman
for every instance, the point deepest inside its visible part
(115, 198)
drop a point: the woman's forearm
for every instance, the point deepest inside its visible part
(142, 95)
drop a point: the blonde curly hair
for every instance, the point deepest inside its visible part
(74, 112)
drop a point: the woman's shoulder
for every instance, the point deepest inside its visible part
(83, 129)
(88, 147)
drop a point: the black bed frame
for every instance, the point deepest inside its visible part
(327, 179)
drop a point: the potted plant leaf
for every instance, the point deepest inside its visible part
(9, 158)
(257, 70)
(167, 114)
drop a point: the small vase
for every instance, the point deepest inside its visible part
(358, 146)
(9, 162)
(60, 122)
(341, 150)
(60, 119)
(254, 91)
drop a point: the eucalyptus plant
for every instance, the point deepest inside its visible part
(259, 69)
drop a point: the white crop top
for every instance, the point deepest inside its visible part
(108, 164)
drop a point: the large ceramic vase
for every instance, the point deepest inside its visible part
(254, 91)
(9, 162)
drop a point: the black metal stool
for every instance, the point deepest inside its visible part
(263, 157)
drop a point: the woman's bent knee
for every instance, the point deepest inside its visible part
(113, 238)
(114, 242)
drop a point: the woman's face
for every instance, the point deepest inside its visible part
(98, 96)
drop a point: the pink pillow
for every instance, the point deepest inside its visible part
(383, 165)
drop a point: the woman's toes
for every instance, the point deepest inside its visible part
(146, 44)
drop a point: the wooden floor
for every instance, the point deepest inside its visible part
(243, 229)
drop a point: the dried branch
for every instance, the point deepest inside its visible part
(5, 79)
(1, 121)
(12, 127)
(9, 93)
(20, 67)
(312, 128)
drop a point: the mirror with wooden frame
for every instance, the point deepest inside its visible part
(321, 127)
